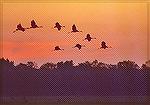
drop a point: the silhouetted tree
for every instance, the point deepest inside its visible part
(21, 66)
(94, 63)
(147, 63)
(68, 64)
(127, 65)
(65, 66)
(60, 65)
(85, 65)
(32, 64)
(102, 66)
(4, 62)
(48, 66)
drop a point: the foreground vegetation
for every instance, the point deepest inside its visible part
(94, 79)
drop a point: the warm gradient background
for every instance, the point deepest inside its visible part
(122, 25)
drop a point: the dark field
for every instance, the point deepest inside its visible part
(76, 104)
(76, 101)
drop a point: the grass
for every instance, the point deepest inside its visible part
(119, 103)
(75, 101)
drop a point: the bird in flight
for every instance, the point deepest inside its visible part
(74, 29)
(58, 26)
(57, 48)
(34, 25)
(19, 27)
(103, 45)
(88, 37)
(79, 46)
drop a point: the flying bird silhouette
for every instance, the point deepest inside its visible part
(19, 27)
(74, 29)
(79, 46)
(88, 37)
(57, 48)
(103, 45)
(58, 26)
(34, 25)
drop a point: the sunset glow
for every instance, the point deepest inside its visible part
(123, 26)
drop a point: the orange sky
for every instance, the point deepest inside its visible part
(122, 25)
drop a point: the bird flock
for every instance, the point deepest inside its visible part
(58, 26)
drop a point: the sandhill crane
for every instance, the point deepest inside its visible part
(103, 45)
(57, 48)
(58, 26)
(78, 46)
(88, 37)
(74, 29)
(19, 27)
(34, 25)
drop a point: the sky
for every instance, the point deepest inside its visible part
(123, 26)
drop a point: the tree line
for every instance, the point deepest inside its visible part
(94, 78)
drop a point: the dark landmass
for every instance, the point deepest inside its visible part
(94, 79)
